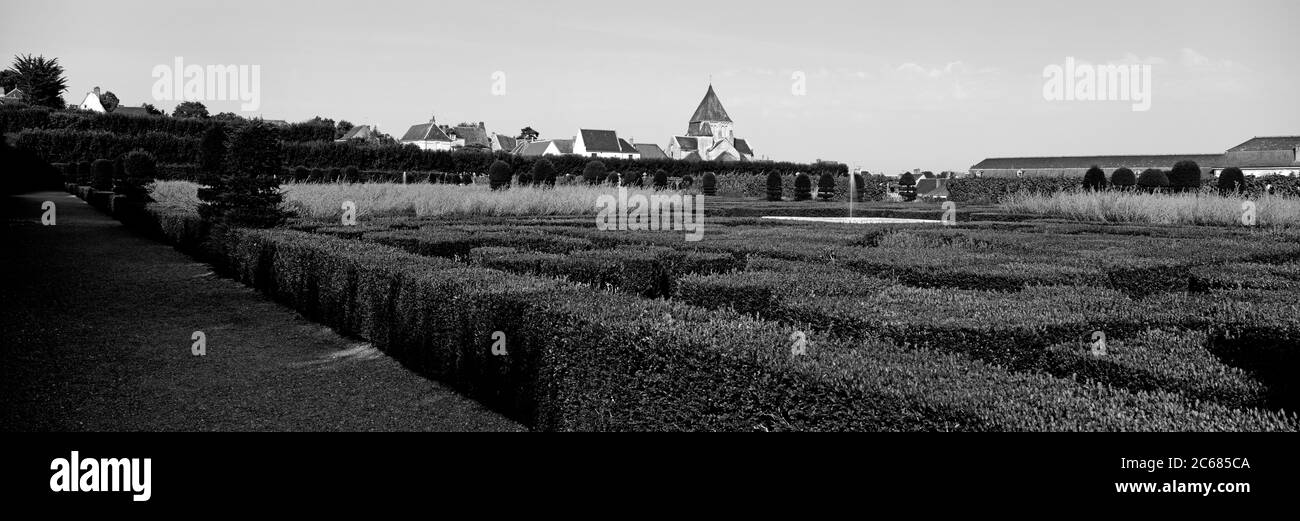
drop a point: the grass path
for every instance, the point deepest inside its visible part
(96, 335)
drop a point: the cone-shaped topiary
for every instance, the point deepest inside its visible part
(709, 184)
(775, 185)
(1185, 176)
(802, 187)
(1094, 178)
(499, 175)
(1152, 180)
(1123, 179)
(826, 187)
(1231, 180)
(594, 173)
(544, 172)
(103, 175)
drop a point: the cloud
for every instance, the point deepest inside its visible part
(1196, 62)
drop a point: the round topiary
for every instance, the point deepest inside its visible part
(687, 182)
(544, 172)
(709, 184)
(140, 169)
(907, 179)
(1231, 180)
(802, 187)
(594, 172)
(102, 178)
(1094, 178)
(499, 175)
(1185, 176)
(612, 178)
(630, 178)
(660, 180)
(1153, 180)
(826, 187)
(300, 173)
(1123, 178)
(775, 185)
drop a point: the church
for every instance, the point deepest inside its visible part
(710, 135)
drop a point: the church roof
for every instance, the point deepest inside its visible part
(686, 142)
(710, 109)
(742, 146)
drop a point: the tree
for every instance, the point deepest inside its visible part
(228, 117)
(1231, 180)
(247, 194)
(109, 101)
(342, 128)
(8, 80)
(41, 79)
(1185, 176)
(528, 134)
(190, 109)
(152, 110)
(907, 179)
(1094, 178)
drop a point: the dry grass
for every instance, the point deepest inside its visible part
(1202, 209)
(324, 200)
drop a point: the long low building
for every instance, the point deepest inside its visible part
(1258, 156)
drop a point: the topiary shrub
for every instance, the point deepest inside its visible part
(594, 172)
(631, 179)
(499, 175)
(826, 187)
(802, 187)
(248, 194)
(1152, 180)
(525, 179)
(907, 179)
(613, 178)
(709, 184)
(687, 182)
(775, 185)
(301, 174)
(1123, 179)
(1231, 180)
(140, 169)
(351, 175)
(102, 179)
(1094, 179)
(660, 180)
(1185, 176)
(544, 172)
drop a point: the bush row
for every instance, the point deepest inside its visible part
(15, 118)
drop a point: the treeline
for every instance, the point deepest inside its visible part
(14, 118)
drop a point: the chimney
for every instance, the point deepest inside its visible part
(96, 91)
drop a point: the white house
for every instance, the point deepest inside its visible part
(92, 103)
(427, 136)
(603, 144)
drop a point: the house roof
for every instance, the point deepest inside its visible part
(505, 142)
(1131, 162)
(535, 148)
(16, 94)
(357, 132)
(1259, 144)
(565, 146)
(687, 142)
(627, 148)
(600, 140)
(424, 132)
(131, 111)
(710, 109)
(472, 135)
(650, 151)
(742, 146)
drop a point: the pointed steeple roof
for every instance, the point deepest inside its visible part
(710, 109)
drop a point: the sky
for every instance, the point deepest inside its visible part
(886, 87)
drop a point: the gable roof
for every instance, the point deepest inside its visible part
(1132, 162)
(16, 94)
(1259, 144)
(626, 147)
(423, 132)
(650, 151)
(472, 135)
(506, 142)
(742, 146)
(535, 148)
(687, 142)
(565, 146)
(600, 140)
(710, 109)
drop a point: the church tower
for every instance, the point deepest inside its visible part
(710, 119)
